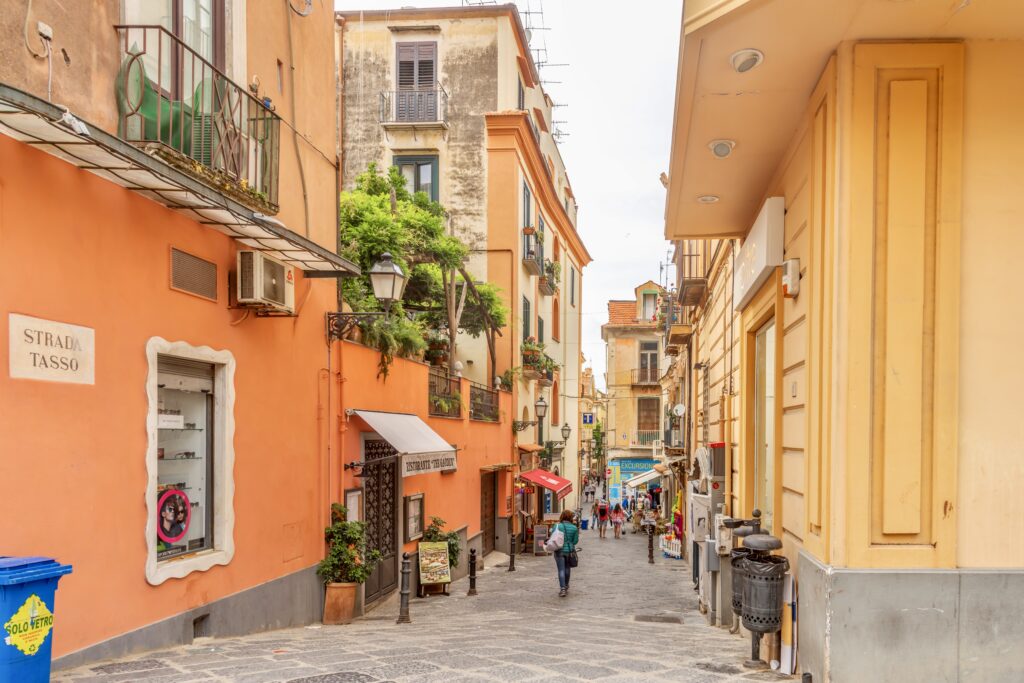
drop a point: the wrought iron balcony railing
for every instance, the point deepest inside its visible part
(170, 96)
(444, 393)
(645, 376)
(533, 251)
(693, 262)
(645, 437)
(483, 403)
(414, 106)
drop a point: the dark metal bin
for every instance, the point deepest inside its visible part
(763, 584)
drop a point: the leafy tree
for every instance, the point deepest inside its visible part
(380, 215)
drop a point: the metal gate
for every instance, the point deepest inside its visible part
(488, 509)
(380, 494)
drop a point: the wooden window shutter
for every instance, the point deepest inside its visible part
(526, 317)
(406, 66)
(540, 330)
(426, 61)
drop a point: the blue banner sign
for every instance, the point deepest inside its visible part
(633, 466)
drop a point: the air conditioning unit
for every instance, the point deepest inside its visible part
(265, 282)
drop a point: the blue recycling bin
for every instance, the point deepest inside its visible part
(583, 523)
(27, 588)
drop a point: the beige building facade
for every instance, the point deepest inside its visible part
(843, 259)
(452, 97)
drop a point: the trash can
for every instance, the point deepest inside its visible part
(27, 588)
(736, 558)
(762, 592)
(584, 523)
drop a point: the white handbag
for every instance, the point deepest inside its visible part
(557, 539)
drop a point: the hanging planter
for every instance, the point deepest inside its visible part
(529, 230)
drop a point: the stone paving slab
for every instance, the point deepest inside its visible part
(624, 620)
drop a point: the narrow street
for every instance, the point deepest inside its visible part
(623, 620)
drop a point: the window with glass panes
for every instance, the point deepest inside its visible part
(185, 452)
(420, 173)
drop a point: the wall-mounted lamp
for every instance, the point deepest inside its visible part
(388, 283)
(357, 468)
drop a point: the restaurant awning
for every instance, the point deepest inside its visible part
(421, 448)
(53, 130)
(648, 476)
(552, 482)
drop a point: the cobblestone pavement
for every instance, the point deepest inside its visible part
(623, 620)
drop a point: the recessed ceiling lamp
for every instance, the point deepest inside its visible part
(707, 198)
(721, 148)
(746, 59)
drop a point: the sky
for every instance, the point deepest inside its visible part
(619, 92)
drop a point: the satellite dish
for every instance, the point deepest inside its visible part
(679, 410)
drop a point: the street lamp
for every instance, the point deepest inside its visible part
(388, 283)
(566, 431)
(540, 408)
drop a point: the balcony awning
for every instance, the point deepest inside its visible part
(421, 448)
(46, 127)
(640, 479)
(552, 482)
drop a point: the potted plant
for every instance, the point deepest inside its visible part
(529, 230)
(435, 533)
(346, 565)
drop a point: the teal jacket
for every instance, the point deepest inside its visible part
(572, 536)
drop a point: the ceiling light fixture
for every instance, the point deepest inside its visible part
(707, 198)
(721, 148)
(746, 59)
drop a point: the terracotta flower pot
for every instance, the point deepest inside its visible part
(340, 603)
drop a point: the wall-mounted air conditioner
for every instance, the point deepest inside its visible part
(266, 282)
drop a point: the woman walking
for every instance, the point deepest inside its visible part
(565, 557)
(618, 517)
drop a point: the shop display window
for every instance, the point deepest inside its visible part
(185, 456)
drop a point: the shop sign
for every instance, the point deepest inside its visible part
(28, 627)
(422, 463)
(637, 466)
(51, 351)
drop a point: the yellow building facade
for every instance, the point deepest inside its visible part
(634, 362)
(869, 414)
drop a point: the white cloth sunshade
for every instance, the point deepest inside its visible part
(422, 449)
(649, 475)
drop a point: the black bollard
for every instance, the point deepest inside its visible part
(650, 544)
(472, 572)
(403, 604)
(512, 552)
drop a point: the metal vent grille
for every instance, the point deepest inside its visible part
(246, 283)
(193, 275)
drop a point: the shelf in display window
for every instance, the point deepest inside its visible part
(198, 457)
(181, 429)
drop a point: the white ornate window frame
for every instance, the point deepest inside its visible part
(223, 462)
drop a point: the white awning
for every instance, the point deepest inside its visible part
(421, 448)
(649, 475)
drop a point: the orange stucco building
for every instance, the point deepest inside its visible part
(189, 443)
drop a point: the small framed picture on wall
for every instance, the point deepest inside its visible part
(413, 517)
(354, 503)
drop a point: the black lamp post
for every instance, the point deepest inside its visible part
(388, 283)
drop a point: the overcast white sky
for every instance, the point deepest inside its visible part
(619, 90)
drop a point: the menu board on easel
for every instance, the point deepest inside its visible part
(435, 567)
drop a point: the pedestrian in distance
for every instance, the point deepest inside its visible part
(603, 513)
(563, 541)
(618, 517)
(593, 515)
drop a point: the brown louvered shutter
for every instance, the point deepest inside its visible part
(416, 99)
(426, 59)
(406, 66)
